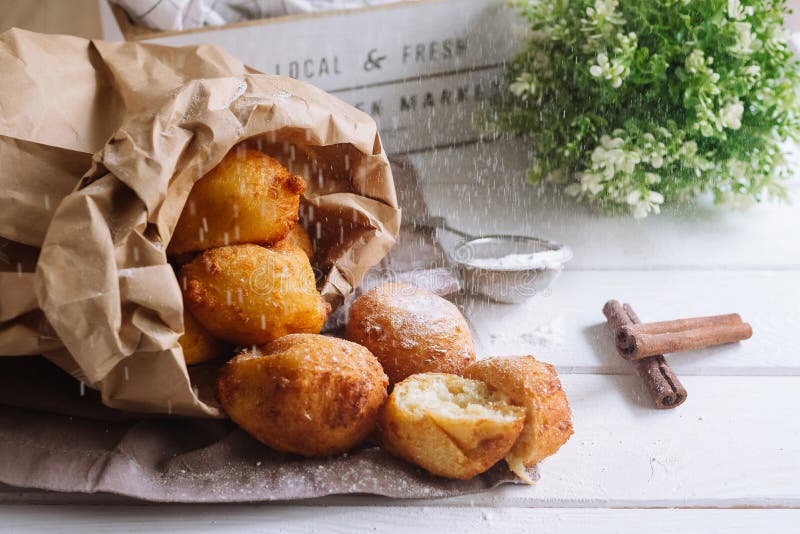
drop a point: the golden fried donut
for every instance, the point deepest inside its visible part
(198, 345)
(248, 198)
(249, 294)
(411, 330)
(306, 394)
(449, 425)
(297, 238)
(535, 386)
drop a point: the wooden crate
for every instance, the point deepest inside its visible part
(424, 69)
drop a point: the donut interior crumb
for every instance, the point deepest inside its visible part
(453, 397)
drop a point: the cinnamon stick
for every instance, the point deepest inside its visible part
(643, 340)
(663, 385)
(679, 325)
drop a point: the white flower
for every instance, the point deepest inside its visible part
(778, 38)
(644, 204)
(627, 43)
(652, 178)
(612, 142)
(738, 169)
(613, 71)
(705, 127)
(610, 157)
(518, 88)
(657, 161)
(589, 183)
(634, 197)
(688, 149)
(737, 12)
(696, 61)
(605, 11)
(746, 41)
(753, 72)
(731, 115)
(592, 183)
(654, 152)
(523, 86)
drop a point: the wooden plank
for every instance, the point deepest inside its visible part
(732, 444)
(565, 325)
(482, 189)
(351, 48)
(404, 110)
(247, 519)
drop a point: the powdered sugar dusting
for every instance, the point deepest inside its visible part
(547, 335)
(546, 259)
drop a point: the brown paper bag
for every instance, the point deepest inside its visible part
(172, 459)
(62, 98)
(102, 281)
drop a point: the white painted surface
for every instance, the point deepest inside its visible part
(442, 54)
(702, 236)
(566, 326)
(417, 114)
(732, 444)
(331, 50)
(629, 468)
(291, 519)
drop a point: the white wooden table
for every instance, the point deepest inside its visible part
(728, 460)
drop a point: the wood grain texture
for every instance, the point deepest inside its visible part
(566, 327)
(297, 519)
(731, 444)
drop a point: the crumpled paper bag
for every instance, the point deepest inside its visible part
(107, 306)
(176, 459)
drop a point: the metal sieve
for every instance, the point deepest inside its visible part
(505, 268)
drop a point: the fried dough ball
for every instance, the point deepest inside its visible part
(411, 331)
(297, 238)
(449, 425)
(248, 198)
(535, 386)
(198, 345)
(249, 295)
(305, 394)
